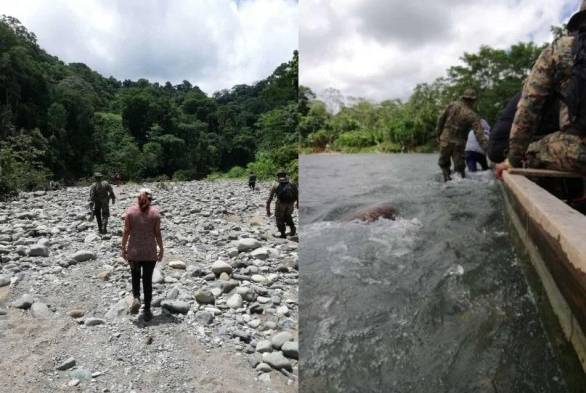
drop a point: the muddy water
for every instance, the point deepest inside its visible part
(432, 302)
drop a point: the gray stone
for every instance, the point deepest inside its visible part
(24, 302)
(247, 244)
(220, 267)
(227, 286)
(4, 281)
(260, 253)
(291, 349)
(177, 264)
(175, 306)
(204, 317)
(82, 256)
(66, 364)
(234, 301)
(38, 250)
(264, 346)
(157, 276)
(281, 338)
(203, 296)
(94, 321)
(41, 311)
(276, 360)
(264, 368)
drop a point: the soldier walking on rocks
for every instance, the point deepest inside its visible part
(252, 181)
(287, 199)
(142, 234)
(100, 194)
(452, 131)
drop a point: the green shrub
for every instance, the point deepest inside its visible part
(183, 175)
(355, 139)
(236, 172)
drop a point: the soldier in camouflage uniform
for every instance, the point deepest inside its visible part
(563, 150)
(287, 200)
(452, 130)
(100, 194)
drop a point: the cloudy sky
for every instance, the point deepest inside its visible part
(214, 44)
(381, 49)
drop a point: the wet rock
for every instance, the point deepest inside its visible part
(177, 264)
(277, 360)
(203, 296)
(82, 256)
(291, 349)
(41, 311)
(175, 306)
(67, 364)
(247, 244)
(281, 338)
(24, 302)
(220, 267)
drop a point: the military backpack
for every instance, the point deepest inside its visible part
(286, 192)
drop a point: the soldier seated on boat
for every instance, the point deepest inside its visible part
(559, 71)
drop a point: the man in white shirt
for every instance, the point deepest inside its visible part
(474, 154)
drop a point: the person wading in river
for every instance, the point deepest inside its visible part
(287, 200)
(452, 131)
(560, 71)
(142, 234)
(100, 194)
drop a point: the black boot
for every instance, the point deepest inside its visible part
(462, 173)
(147, 314)
(293, 231)
(105, 225)
(446, 173)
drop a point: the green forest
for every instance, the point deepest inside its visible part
(65, 121)
(401, 126)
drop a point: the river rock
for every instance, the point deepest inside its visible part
(24, 302)
(41, 311)
(177, 264)
(4, 281)
(281, 338)
(157, 276)
(38, 250)
(291, 349)
(104, 276)
(276, 360)
(175, 306)
(76, 313)
(247, 244)
(260, 253)
(220, 267)
(204, 317)
(264, 346)
(263, 368)
(203, 296)
(82, 256)
(234, 301)
(94, 321)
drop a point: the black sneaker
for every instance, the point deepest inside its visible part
(147, 314)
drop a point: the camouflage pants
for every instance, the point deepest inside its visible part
(283, 216)
(102, 210)
(451, 152)
(559, 151)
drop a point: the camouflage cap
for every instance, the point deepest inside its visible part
(281, 171)
(469, 94)
(98, 175)
(578, 18)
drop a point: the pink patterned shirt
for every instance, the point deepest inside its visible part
(142, 243)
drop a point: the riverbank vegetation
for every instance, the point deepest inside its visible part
(400, 126)
(64, 121)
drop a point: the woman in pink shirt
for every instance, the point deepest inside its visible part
(142, 234)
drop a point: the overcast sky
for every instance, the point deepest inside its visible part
(381, 49)
(214, 44)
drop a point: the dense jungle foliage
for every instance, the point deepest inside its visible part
(64, 121)
(398, 126)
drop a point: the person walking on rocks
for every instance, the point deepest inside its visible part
(100, 194)
(287, 199)
(452, 130)
(142, 234)
(252, 181)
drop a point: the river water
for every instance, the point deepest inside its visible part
(432, 302)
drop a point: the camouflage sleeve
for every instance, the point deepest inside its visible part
(441, 121)
(535, 91)
(111, 193)
(479, 133)
(92, 193)
(271, 194)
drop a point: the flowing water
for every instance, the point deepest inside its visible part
(434, 301)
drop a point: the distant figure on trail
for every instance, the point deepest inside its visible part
(558, 72)
(142, 234)
(474, 154)
(452, 129)
(287, 199)
(100, 194)
(252, 181)
(117, 179)
(54, 185)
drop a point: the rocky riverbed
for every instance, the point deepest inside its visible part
(224, 297)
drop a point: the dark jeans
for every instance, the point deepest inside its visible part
(472, 158)
(147, 280)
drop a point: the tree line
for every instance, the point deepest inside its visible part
(65, 121)
(399, 126)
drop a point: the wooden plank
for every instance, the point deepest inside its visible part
(544, 173)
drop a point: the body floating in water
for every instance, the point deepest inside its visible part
(372, 213)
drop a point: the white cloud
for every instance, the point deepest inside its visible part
(381, 49)
(214, 44)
